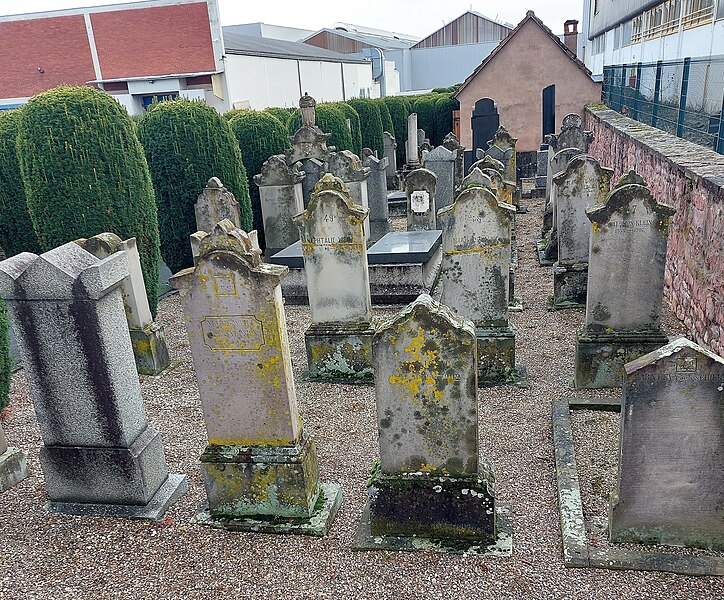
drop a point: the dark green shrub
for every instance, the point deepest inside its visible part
(353, 116)
(84, 173)
(398, 109)
(330, 119)
(6, 361)
(187, 143)
(260, 135)
(370, 124)
(424, 106)
(230, 114)
(16, 228)
(283, 114)
(387, 124)
(444, 107)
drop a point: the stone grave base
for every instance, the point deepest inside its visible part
(379, 229)
(13, 468)
(496, 357)
(106, 475)
(261, 481)
(340, 353)
(397, 204)
(600, 357)
(576, 550)
(149, 349)
(570, 283)
(172, 489)
(514, 304)
(318, 524)
(541, 247)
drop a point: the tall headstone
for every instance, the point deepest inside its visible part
(379, 221)
(281, 197)
(571, 135)
(259, 466)
(421, 139)
(625, 283)
(100, 456)
(420, 192)
(148, 338)
(441, 161)
(476, 263)
(502, 148)
(391, 156)
(671, 458)
(429, 482)
(313, 170)
(582, 185)
(214, 204)
(339, 340)
(349, 168)
(484, 122)
(13, 466)
(451, 143)
(411, 148)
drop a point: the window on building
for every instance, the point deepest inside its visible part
(626, 33)
(617, 38)
(599, 44)
(672, 14)
(697, 12)
(636, 29)
(720, 10)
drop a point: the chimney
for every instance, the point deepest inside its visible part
(570, 35)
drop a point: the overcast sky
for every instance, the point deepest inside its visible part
(414, 17)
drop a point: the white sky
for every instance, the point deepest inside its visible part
(414, 17)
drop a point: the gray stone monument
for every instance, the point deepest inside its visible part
(476, 263)
(100, 456)
(349, 168)
(476, 177)
(148, 338)
(411, 148)
(420, 192)
(214, 204)
(379, 221)
(582, 185)
(441, 161)
(313, 170)
(391, 156)
(339, 340)
(625, 283)
(13, 466)
(259, 467)
(281, 197)
(451, 143)
(429, 482)
(671, 457)
(502, 148)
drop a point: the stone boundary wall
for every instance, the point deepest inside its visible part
(690, 177)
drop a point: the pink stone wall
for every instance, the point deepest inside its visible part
(690, 178)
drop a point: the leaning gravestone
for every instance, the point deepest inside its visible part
(390, 145)
(429, 483)
(420, 192)
(451, 143)
(377, 194)
(214, 204)
(625, 283)
(100, 456)
(582, 185)
(671, 460)
(476, 263)
(259, 467)
(349, 168)
(13, 466)
(441, 161)
(339, 340)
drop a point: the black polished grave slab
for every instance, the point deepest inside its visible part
(291, 256)
(397, 204)
(399, 247)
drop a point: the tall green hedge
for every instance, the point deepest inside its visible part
(399, 112)
(387, 124)
(6, 361)
(186, 143)
(283, 114)
(260, 135)
(330, 119)
(424, 106)
(16, 228)
(353, 116)
(370, 123)
(444, 107)
(84, 173)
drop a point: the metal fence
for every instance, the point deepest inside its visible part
(683, 97)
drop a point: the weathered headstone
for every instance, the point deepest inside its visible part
(259, 467)
(281, 197)
(474, 277)
(488, 162)
(421, 139)
(148, 338)
(100, 456)
(476, 177)
(502, 148)
(571, 135)
(339, 340)
(625, 283)
(429, 482)
(441, 161)
(420, 192)
(583, 184)
(13, 466)
(411, 148)
(451, 143)
(671, 459)
(214, 204)
(379, 221)
(313, 170)
(348, 167)
(391, 156)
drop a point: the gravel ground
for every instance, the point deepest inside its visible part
(52, 556)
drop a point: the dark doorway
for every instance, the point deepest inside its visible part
(485, 123)
(549, 111)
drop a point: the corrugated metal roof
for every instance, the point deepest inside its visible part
(250, 45)
(374, 41)
(469, 28)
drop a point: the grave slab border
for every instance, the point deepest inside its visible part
(13, 468)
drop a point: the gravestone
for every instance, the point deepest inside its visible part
(421, 139)
(429, 482)
(214, 204)
(625, 283)
(411, 148)
(379, 221)
(571, 135)
(441, 161)
(583, 184)
(502, 148)
(339, 340)
(484, 122)
(391, 156)
(259, 467)
(313, 170)
(476, 264)
(420, 191)
(671, 459)
(348, 167)
(148, 338)
(100, 456)
(281, 197)
(309, 141)
(13, 466)
(451, 143)
(476, 177)
(488, 162)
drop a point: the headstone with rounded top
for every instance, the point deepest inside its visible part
(349, 168)
(379, 221)
(214, 204)
(420, 191)
(441, 161)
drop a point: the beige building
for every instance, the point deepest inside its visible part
(515, 74)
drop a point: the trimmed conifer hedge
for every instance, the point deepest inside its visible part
(387, 124)
(16, 228)
(370, 124)
(399, 112)
(186, 143)
(444, 107)
(356, 128)
(84, 173)
(424, 106)
(283, 114)
(330, 119)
